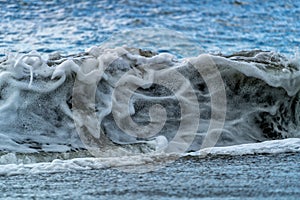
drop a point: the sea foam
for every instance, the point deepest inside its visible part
(66, 103)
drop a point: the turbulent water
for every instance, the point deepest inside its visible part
(178, 86)
(101, 99)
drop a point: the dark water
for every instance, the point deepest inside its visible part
(220, 177)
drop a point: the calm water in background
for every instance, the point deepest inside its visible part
(218, 26)
(226, 26)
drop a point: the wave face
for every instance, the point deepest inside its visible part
(39, 111)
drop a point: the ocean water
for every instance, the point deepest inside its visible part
(226, 26)
(147, 89)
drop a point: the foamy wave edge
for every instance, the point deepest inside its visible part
(291, 145)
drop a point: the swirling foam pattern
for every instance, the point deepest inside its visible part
(262, 91)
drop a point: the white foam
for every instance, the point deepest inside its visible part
(90, 163)
(267, 147)
(75, 164)
(288, 80)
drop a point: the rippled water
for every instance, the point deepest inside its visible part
(72, 26)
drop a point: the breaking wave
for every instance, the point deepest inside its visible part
(37, 100)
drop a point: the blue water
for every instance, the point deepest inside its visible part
(217, 26)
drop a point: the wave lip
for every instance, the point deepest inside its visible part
(291, 145)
